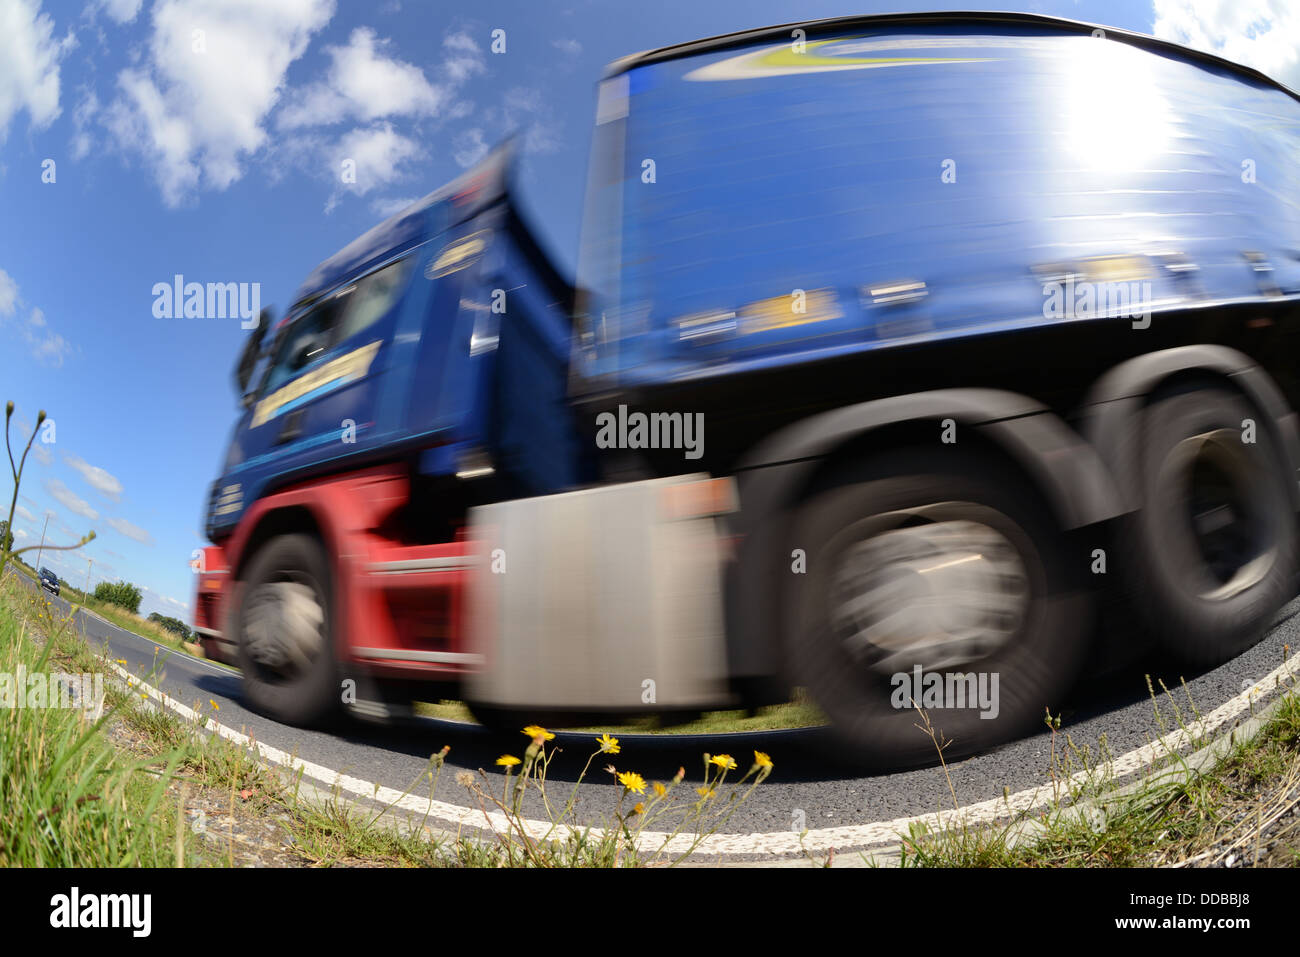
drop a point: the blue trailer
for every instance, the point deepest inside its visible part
(900, 349)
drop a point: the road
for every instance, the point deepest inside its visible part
(840, 808)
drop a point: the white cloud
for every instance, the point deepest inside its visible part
(122, 11)
(29, 64)
(464, 59)
(368, 85)
(123, 527)
(46, 346)
(568, 46)
(522, 108)
(215, 69)
(1257, 33)
(42, 454)
(24, 513)
(86, 110)
(468, 147)
(68, 499)
(364, 84)
(377, 154)
(101, 481)
(8, 294)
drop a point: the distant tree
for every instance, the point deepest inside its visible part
(174, 625)
(6, 537)
(122, 594)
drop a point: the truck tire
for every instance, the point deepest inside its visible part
(285, 629)
(947, 561)
(1209, 558)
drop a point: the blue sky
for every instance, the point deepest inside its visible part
(217, 155)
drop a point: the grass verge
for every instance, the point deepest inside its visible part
(1232, 803)
(138, 785)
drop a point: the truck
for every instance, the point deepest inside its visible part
(912, 361)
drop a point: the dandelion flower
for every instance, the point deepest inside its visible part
(724, 761)
(632, 781)
(704, 792)
(215, 706)
(660, 790)
(508, 761)
(537, 731)
(639, 808)
(762, 760)
(607, 744)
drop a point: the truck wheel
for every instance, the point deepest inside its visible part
(931, 565)
(1212, 550)
(285, 650)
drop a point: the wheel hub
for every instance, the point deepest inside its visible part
(282, 626)
(1234, 539)
(938, 594)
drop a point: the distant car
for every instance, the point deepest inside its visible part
(49, 580)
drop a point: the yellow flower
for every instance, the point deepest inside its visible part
(121, 661)
(704, 792)
(632, 781)
(537, 731)
(607, 744)
(214, 704)
(660, 790)
(762, 760)
(639, 809)
(508, 760)
(724, 761)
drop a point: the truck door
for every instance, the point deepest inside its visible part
(320, 395)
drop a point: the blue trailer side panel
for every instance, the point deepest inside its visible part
(919, 182)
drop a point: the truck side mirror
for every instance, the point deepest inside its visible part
(251, 352)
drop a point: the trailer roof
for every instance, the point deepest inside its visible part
(831, 24)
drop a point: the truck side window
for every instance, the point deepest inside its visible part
(305, 340)
(335, 320)
(372, 298)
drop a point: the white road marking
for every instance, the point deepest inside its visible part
(777, 843)
(215, 669)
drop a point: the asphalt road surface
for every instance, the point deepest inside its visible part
(804, 791)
